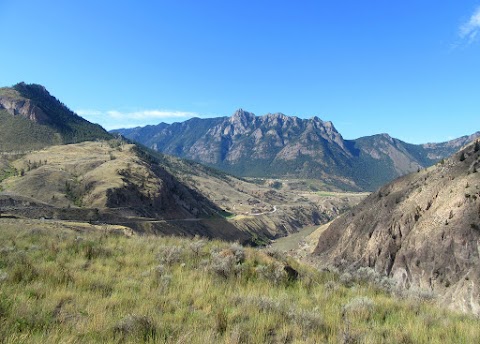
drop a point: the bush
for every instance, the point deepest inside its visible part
(346, 279)
(138, 326)
(197, 246)
(160, 270)
(273, 272)
(3, 276)
(165, 282)
(358, 308)
(274, 253)
(223, 263)
(307, 320)
(238, 251)
(331, 286)
(420, 294)
(365, 274)
(170, 255)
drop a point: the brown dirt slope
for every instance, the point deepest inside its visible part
(422, 230)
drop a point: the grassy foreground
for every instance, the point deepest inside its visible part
(82, 285)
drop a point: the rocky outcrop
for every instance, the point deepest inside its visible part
(23, 107)
(422, 230)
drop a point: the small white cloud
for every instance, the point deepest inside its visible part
(122, 119)
(471, 28)
(88, 112)
(150, 114)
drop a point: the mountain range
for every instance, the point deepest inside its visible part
(56, 165)
(280, 146)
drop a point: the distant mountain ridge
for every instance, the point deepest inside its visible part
(31, 118)
(276, 145)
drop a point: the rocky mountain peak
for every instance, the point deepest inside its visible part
(327, 126)
(326, 130)
(240, 122)
(278, 119)
(242, 116)
(386, 136)
(316, 119)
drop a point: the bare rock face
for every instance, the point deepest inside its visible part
(23, 107)
(422, 230)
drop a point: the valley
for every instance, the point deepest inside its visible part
(93, 224)
(114, 182)
(240, 172)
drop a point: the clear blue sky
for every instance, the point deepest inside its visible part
(410, 68)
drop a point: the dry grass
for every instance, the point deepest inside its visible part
(89, 169)
(86, 285)
(109, 174)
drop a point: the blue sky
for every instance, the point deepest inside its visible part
(408, 68)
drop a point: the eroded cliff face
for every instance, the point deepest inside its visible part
(23, 107)
(422, 230)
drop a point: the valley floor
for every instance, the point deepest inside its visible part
(293, 241)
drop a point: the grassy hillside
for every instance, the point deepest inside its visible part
(107, 181)
(104, 174)
(77, 174)
(19, 134)
(77, 283)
